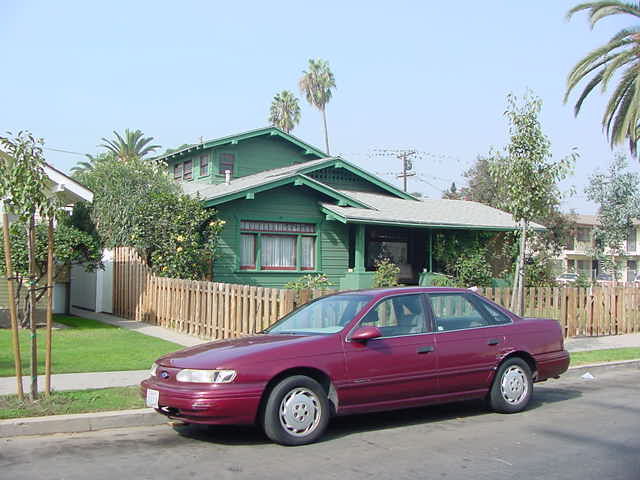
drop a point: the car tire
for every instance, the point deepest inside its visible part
(512, 386)
(296, 412)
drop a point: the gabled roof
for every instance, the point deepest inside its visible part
(234, 139)
(593, 220)
(215, 194)
(66, 188)
(429, 212)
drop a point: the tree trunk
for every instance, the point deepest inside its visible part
(50, 267)
(326, 133)
(31, 307)
(523, 249)
(12, 306)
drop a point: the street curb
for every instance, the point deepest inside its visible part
(142, 417)
(81, 422)
(605, 364)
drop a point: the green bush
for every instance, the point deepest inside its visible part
(472, 269)
(440, 280)
(309, 282)
(386, 274)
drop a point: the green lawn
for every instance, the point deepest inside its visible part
(609, 355)
(88, 346)
(75, 401)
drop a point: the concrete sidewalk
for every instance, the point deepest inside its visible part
(140, 327)
(581, 344)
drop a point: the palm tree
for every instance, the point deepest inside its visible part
(285, 111)
(133, 146)
(621, 57)
(316, 85)
(84, 167)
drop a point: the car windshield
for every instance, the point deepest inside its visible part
(605, 276)
(568, 276)
(323, 316)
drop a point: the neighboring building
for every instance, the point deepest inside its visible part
(291, 211)
(579, 256)
(68, 192)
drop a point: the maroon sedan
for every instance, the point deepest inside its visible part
(358, 352)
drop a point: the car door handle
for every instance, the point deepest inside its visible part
(493, 341)
(425, 349)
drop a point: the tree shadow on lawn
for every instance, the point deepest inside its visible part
(438, 415)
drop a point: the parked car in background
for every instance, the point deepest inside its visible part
(604, 279)
(567, 278)
(359, 352)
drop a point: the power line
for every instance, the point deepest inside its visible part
(64, 151)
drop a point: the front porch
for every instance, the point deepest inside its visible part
(412, 249)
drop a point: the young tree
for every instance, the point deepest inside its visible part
(23, 186)
(316, 85)
(527, 177)
(285, 111)
(618, 195)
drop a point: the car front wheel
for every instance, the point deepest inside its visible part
(512, 386)
(296, 411)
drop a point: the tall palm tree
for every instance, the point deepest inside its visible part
(620, 56)
(132, 146)
(285, 111)
(316, 85)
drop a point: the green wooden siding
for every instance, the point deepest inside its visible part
(252, 156)
(285, 204)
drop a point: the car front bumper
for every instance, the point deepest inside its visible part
(221, 406)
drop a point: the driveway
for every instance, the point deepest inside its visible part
(575, 429)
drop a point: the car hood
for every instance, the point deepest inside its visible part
(234, 352)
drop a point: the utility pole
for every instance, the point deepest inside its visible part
(406, 156)
(407, 165)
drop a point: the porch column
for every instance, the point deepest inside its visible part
(359, 246)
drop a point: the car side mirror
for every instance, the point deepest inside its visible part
(363, 334)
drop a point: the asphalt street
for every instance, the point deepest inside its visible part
(574, 429)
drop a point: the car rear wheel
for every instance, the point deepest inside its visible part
(296, 411)
(512, 386)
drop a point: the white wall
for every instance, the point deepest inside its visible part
(83, 288)
(104, 284)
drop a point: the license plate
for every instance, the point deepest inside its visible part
(152, 398)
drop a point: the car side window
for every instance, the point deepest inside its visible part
(497, 317)
(397, 316)
(454, 311)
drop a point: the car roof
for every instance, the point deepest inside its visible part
(382, 292)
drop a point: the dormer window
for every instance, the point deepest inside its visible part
(188, 170)
(204, 165)
(227, 161)
(177, 172)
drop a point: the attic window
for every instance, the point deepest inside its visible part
(177, 172)
(188, 170)
(227, 161)
(204, 165)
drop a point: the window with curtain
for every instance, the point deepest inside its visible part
(177, 171)
(278, 252)
(281, 245)
(247, 252)
(227, 162)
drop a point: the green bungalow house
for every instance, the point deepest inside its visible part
(290, 210)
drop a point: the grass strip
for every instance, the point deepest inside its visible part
(74, 401)
(86, 346)
(607, 355)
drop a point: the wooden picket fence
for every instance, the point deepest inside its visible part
(590, 311)
(216, 310)
(206, 309)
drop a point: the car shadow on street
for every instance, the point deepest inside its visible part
(353, 424)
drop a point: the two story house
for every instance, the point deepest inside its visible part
(579, 256)
(291, 210)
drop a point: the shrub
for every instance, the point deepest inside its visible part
(309, 282)
(472, 269)
(386, 274)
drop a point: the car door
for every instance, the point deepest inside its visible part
(469, 341)
(398, 366)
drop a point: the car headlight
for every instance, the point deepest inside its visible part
(154, 369)
(206, 376)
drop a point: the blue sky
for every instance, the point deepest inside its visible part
(431, 76)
